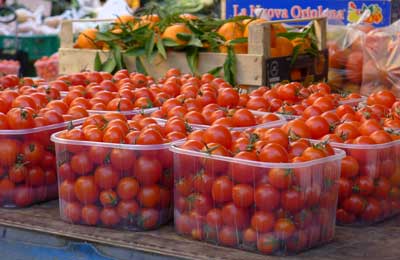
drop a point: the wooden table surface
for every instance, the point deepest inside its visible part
(381, 241)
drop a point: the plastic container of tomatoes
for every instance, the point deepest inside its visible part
(369, 184)
(121, 186)
(28, 163)
(253, 214)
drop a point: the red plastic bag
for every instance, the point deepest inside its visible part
(381, 68)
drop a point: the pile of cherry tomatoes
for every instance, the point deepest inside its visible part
(241, 196)
(29, 114)
(370, 178)
(293, 99)
(117, 185)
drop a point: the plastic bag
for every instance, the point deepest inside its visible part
(381, 68)
(345, 44)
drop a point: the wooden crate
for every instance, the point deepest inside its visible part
(251, 68)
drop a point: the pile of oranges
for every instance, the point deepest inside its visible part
(228, 31)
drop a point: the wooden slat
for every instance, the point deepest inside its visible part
(375, 242)
(250, 72)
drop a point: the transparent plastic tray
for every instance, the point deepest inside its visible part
(236, 203)
(127, 186)
(28, 162)
(376, 184)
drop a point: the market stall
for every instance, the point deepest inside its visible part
(167, 134)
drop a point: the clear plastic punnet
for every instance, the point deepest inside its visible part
(121, 186)
(369, 187)
(236, 203)
(28, 163)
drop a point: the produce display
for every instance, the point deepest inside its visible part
(255, 190)
(268, 167)
(116, 172)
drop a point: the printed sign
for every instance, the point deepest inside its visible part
(382, 12)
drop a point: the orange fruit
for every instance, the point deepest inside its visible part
(151, 17)
(124, 19)
(239, 48)
(188, 17)
(86, 40)
(248, 23)
(172, 31)
(274, 52)
(117, 30)
(276, 28)
(231, 31)
(283, 47)
(305, 44)
(295, 75)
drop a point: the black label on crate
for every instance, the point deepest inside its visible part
(307, 67)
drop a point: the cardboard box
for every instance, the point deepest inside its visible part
(383, 12)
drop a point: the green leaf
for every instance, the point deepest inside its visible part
(215, 71)
(106, 36)
(230, 67)
(97, 62)
(194, 41)
(194, 29)
(118, 57)
(296, 51)
(192, 57)
(139, 66)
(184, 36)
(150, 45)
(238, 40)
(110, 64)
(312, 51)
(136, 51)
(161, 49)
(170, 43)
(293, 35)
